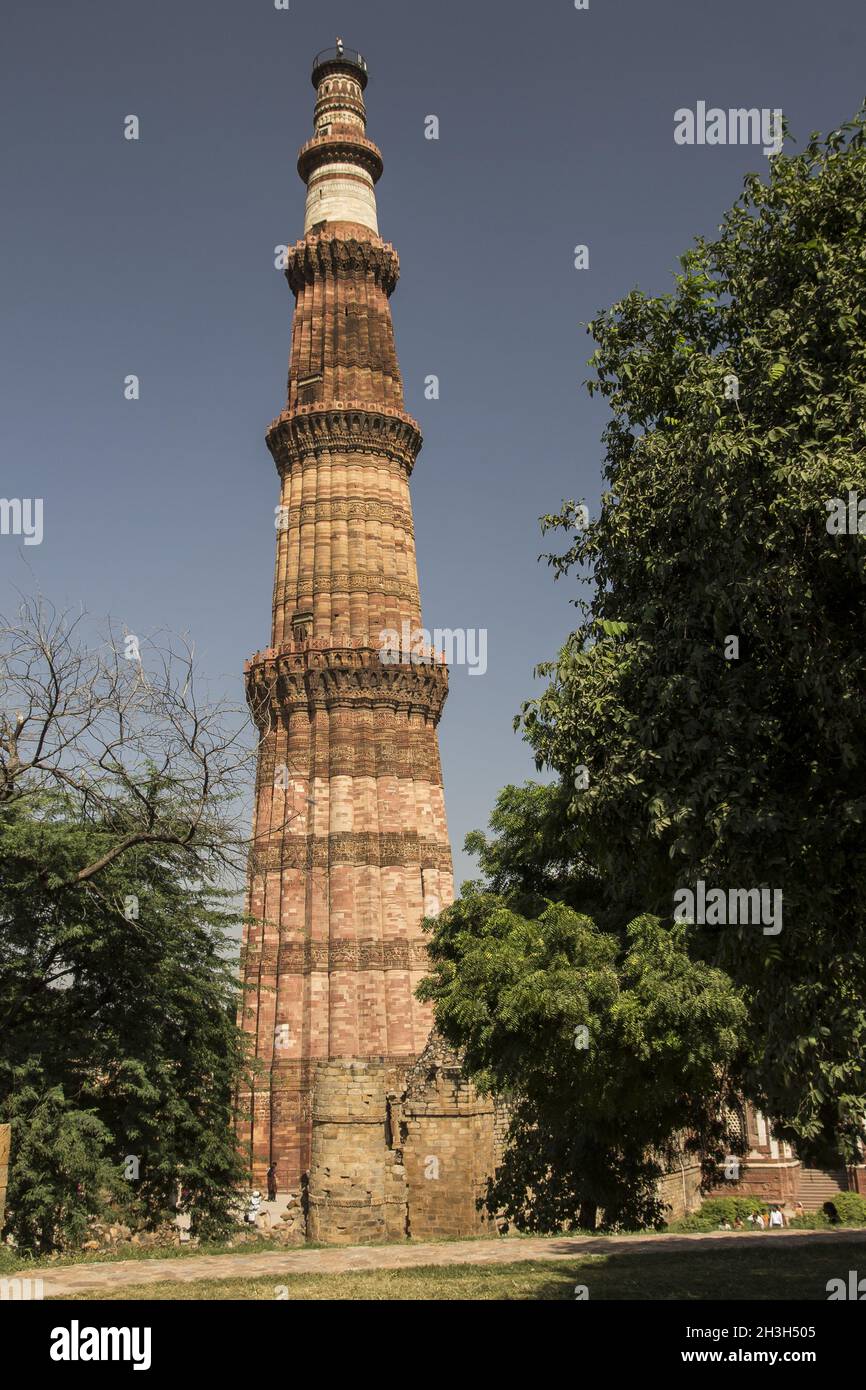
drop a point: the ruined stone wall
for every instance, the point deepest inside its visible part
(5, 1136)
(398, 1151)
(501, 1121)
(356, 1189)
(448, 1147)
(405, 1150)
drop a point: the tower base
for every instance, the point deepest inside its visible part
(398, 1151)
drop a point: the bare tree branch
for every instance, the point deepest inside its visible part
(118, 726)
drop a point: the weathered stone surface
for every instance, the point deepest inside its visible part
(5, 1139)
(350, 848)
(449, 1147)
(354, 1191)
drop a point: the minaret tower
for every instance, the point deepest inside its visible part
(350, 845)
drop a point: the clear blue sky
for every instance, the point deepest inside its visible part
(156, 258)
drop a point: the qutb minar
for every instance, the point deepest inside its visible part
(350, 847)
(363, 1109)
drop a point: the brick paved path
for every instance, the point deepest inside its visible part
(69, 1279)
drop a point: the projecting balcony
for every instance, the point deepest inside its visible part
(339, 57)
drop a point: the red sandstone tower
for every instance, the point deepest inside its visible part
(350, 845)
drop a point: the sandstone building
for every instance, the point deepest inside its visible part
(350, 847)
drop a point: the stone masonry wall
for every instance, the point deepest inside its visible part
(356, 1189)
(398, 1152)
(680, 1190)
(448, 1147)
(5, 1136)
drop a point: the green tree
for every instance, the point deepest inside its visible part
(737, 416)
(119, 1050)
(607, 1050)
(63, 1172)
(533, 852)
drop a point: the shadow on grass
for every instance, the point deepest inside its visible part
(750, 1274)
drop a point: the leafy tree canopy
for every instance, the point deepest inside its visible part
(705, 722)
(119, 1050)
(737, 416)
(606, 1050)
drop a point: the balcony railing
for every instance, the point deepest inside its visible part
(339, 55)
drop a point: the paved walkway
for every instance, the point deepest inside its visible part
(70, 1279)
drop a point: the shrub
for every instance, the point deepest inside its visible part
(851, 1208)
(810, 1221)
(715, 1211)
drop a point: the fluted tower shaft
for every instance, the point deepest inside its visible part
(350, 846)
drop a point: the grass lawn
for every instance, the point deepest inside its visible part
(12, 1263)
(752, 1273)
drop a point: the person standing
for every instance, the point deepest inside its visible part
(272, 1183)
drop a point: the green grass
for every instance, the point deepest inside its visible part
(17, 1262)
(708, 1272)
(14, 1262)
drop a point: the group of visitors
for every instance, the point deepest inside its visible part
(773, 1219)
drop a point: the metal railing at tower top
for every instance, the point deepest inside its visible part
(339, 55)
